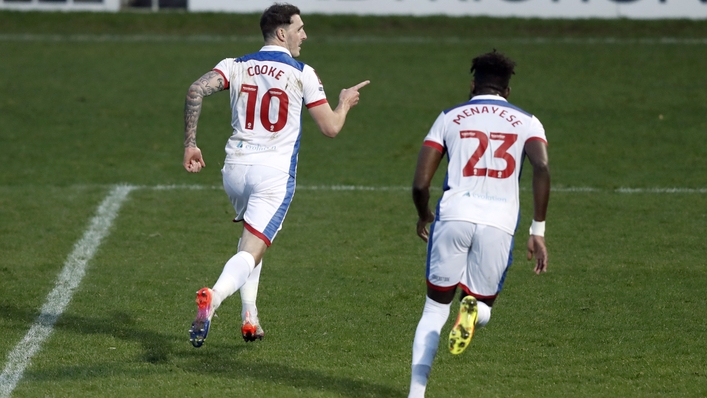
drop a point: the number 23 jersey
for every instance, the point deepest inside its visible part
(268, 91)
(484, 140)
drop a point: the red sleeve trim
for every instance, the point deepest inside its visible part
(536, 139)
(257, 234)
(224, 78)
(317, 103)
(434, 145)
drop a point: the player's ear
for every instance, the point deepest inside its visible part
(507, 92)
(281, 34)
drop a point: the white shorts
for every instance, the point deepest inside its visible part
(473, 256)
(261, 196)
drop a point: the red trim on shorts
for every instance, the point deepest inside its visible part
(257, 233)
(434, 145)
(317, 103)
(536, 139)
(478, 296)
(440, 288)
(224, 78)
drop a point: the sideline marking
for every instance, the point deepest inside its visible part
(157, 38)
(68, 280)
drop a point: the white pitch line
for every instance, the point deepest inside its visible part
(159, 38)
(661, 190)
(404, 188)
(68, 280)
(334, 188)
(351, 188)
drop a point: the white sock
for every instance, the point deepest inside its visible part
(418, 382)
(484, 314)
(424, 347)
(233, 276)
(249, 293)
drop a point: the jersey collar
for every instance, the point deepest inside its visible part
(488, 97)
(276, 48)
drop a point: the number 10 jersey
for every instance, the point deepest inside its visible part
(484, 139)
(268, 92)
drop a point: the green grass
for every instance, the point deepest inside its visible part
(620, 313)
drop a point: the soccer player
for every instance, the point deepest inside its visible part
(470, 240)
(268, 90)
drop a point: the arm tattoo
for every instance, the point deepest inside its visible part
(208, 84)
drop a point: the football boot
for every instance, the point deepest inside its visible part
(463, 330)
(200, 327)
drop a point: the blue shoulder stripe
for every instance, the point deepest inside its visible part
(274, 56)
(488, 102)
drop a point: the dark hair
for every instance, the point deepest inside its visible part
(492, 71)
(275, 16)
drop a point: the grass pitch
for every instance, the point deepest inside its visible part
(94, 100)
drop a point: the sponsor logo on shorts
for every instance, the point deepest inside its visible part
(437, 278)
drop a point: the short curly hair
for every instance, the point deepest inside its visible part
(492, 71)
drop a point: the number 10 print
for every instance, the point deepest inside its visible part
(252, 92)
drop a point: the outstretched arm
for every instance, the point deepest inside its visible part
(427, 162)
(211, 82)
(330, 121)
(537, 155)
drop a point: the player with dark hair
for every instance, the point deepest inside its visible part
(275, 17)
(268, 91)
(470, 240)
(492, 72)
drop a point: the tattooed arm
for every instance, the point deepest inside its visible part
(208, 84)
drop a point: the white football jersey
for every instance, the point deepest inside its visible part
(268, 91)
(484, 141)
